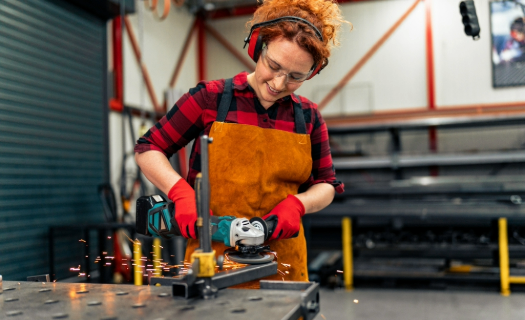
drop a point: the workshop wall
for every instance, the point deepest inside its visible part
(395, 77)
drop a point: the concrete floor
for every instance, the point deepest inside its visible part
(383, 304)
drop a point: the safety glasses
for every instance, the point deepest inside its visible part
(273, 67)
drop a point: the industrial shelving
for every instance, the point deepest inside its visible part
(454, 202)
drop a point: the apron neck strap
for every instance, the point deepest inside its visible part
(226, 98)
(300, 125)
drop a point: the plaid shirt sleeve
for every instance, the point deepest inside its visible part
(323, 170)
(179, 126)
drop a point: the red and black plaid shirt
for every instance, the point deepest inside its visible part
(196, 111)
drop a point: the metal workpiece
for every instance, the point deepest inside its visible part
(207, 290)
(189, 288)
(309, 306)
(104, 301)
(39, 278)
(204, 196)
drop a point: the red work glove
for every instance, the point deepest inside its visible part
(288, 214)
(183, 196)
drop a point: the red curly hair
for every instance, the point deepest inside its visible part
(325, 15)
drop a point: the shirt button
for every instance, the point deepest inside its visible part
(265, 120)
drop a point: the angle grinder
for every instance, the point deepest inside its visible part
(155, 217)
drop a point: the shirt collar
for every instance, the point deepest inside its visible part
(240, 81)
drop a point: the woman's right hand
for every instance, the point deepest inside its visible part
(183, 196)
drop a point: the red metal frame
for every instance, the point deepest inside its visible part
(430, 56)
(365, 58)
(432, 131)
(384, 117)
(201, 49)
(249, 10)
(117, 102)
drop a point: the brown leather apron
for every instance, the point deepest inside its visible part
(252, 169)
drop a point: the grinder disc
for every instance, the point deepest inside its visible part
(258, 258)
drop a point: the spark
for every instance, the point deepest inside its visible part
(104, 253)
(286, 265)
(81, 274)
(82, 240)
(75, 269)
(356, 301)
(322, 316)
(108, 257)
(54, 280)
(109, 237)
(339, 271)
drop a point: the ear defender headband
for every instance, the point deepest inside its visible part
(255, 42)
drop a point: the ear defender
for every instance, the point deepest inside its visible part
(255, 42)
(255, 46)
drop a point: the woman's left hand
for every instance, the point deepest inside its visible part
(288, 214)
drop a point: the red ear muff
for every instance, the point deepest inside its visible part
(255, 45)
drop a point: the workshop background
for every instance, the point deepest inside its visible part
(428, 141)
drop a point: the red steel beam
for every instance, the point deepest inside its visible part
(183, 53)
(430, 57)
(231, 12)
(365, 58)
(399, 116)
(145, 73)
(249, 10)
(432, 131)
(201, 49)
(116, 103)
(241, 57)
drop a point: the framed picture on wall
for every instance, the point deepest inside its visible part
(507, 27)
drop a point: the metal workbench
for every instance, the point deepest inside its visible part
(48, 300)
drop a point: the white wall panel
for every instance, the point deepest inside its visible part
(463, 66)
(396, 73)
(393, 78)
(221, 63)
(163, 43)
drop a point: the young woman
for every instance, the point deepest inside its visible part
(270, 155)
